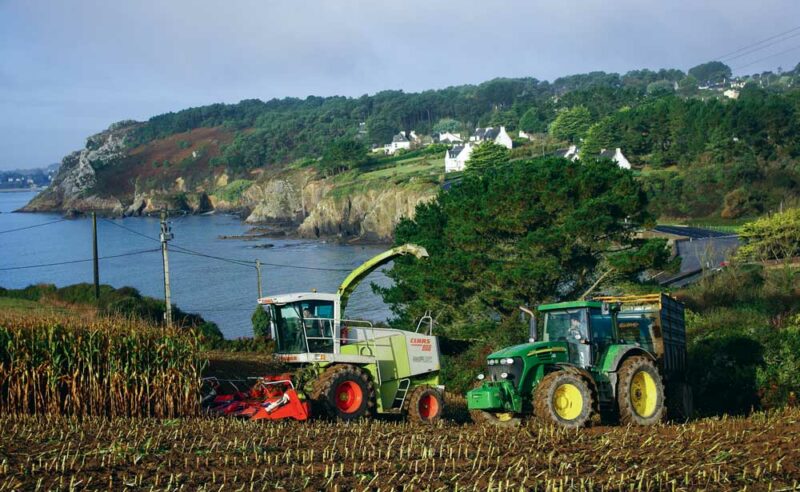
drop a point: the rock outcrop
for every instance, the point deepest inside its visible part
(109, 176)
(72, 187)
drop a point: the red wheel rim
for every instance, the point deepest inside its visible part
(349, 397)
(428, 406)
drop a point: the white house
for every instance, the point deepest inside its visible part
(571, 153)
(731, 94)
(450, 138)
(496, 135)
(616, 156)
(525, 135)
(455, 159)
(399, 141)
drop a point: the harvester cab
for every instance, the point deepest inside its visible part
(349, 369)
(611, 356)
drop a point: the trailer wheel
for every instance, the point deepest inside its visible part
(344, 392)
(424, 404)
(640, 392)
(564, 399)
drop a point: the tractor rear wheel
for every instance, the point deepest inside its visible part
(344, 392)
(424, 404)
(563, 398)
(640, 392)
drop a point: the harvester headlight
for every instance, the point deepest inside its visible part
(504, 375)
(481, 377)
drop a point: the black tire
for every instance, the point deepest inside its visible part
(680, 402)
(640, 392)
(499, 419)
(424, 404)
(565, 399)
(326, 395)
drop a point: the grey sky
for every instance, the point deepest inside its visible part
(70, 68)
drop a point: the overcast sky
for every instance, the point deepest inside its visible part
(70, 68)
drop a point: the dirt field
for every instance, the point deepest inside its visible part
(757, 453)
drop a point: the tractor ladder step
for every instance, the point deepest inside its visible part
(402, 391)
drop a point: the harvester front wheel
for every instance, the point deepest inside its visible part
(424, 404)
(563, 398)
(345, 392)
(640, 392)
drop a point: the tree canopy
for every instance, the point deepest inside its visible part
(711, 72)
(571, 124)
(486, 156)
(521, 233)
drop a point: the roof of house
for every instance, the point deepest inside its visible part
(608, 153)
(491, 133)
(400, 137)
(453, 153)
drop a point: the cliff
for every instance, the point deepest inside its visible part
(180, 173)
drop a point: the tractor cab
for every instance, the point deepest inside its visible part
(587, 327)
(304, 322)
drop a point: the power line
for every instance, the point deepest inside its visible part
(748, 52)
(752, 45)
(31, 227)
(80, 261)
(236, 261)
(767, 57)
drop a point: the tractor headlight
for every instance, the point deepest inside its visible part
(481, 377)
(508, 361)
(504, 375)
(492, 362)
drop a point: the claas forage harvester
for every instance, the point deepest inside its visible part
(622, 358)
(346, 369)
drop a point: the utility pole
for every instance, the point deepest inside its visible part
(94, 258)
(258, 271)
(166, 235)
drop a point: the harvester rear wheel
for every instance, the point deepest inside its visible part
(640, 392)
(563, 398)
(424, 404)
(344, 392)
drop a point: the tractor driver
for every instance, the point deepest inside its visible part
(313, 331)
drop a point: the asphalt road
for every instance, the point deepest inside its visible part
(691, 232)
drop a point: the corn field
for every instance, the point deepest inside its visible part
(46, 452)
(52, 364)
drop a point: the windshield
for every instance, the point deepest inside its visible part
(565, 326)
(304, 326)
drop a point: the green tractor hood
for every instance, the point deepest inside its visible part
(530, 350)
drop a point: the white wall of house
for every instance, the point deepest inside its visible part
(620, 159)
(458, 162)
(504, 139)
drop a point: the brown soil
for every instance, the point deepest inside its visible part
(226, 454)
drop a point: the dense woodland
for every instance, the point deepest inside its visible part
(699, 153)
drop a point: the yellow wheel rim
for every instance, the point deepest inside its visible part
(644, 395)
(504, 417)
(568, 401)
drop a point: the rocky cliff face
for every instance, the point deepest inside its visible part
(72, 187)
(315, 208)
(110, 177)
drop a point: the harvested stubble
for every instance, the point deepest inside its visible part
(51, 452)
(57, 364)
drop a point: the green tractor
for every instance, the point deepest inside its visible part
(616, 357)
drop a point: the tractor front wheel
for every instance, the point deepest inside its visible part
(424, 404)
(640, 392)
(564, 399)
(344, 392)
